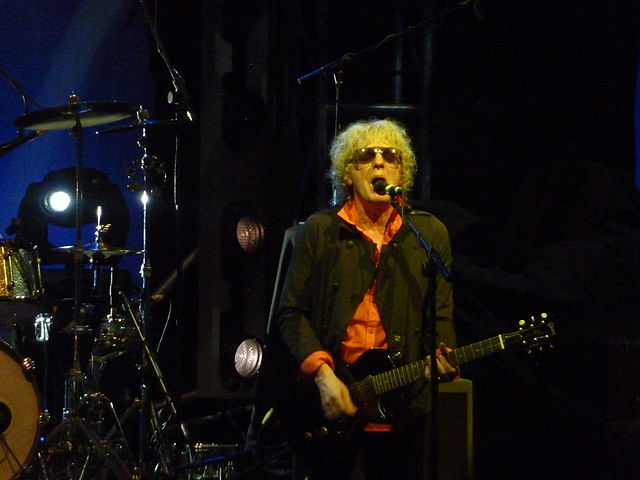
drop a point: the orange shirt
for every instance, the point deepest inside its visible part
(365, 329)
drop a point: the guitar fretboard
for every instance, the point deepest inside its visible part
(476, 350)
(398, 377)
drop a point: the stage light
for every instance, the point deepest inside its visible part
(52, 202)
(244, 237)
(57, 201)
(249, 233)
(248, 358)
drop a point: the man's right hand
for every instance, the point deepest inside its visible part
(334, 394)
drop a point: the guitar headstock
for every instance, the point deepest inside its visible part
(534, 332)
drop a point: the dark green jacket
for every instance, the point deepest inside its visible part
(331, 268)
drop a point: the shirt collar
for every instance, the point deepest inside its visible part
(349, 214)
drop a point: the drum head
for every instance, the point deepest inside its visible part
(19, 414)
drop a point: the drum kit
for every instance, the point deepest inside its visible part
(90, 357)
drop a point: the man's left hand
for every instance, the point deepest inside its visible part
(446, 371)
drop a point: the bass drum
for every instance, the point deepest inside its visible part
(19, 412)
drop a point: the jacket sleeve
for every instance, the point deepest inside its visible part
(296, 301)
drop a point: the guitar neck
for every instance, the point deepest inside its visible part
(478, 350)
(399, 377)
(379, 383)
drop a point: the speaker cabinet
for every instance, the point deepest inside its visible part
(455, 430)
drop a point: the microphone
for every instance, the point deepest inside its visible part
(382, 188)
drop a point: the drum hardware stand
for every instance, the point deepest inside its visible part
(72, 393)
(73, 116)
(183, 114)
(72, 423)
(145, 274)
(152, 174)
(69, 429)
(64, 440)
(152, 416)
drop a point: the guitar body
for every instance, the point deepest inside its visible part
(371, 362)
(301, 415)
(358, 377)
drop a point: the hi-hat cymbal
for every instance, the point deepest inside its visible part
(95, 248)
(139, 126)
(64, 117)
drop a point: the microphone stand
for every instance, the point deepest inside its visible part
(338, 63)
(431, 267)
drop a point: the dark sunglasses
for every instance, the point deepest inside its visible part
(364, 156)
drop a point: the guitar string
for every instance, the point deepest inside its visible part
(406, 374)
(389, 380)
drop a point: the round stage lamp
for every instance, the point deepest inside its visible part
(248, 358)
(57, 201)
(249, 233)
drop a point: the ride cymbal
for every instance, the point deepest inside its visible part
(64, 117)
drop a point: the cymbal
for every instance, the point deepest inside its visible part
(139, 126)
(64, 117)
(95, 248)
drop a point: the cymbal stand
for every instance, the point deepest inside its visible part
(145, 274)
(65, 436)
(72, 389)
(152, 172)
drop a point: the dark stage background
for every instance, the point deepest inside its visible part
(523, 119)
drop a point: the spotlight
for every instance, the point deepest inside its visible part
(51, 202)
(57, 202)
(249, 233)
(244, 241)
(243, 237)
(248, 358)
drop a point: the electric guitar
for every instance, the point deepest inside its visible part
(374, 375)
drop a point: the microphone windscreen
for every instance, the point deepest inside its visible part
(379, 187)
